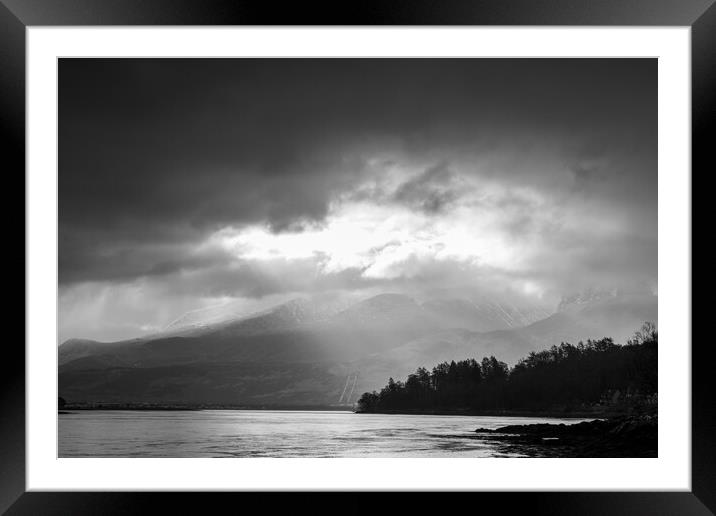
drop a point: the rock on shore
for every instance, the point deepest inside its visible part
(625, 436)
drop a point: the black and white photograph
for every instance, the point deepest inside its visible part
(357, 257)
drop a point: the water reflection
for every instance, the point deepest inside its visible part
(249, 433)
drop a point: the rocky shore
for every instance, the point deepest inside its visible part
(624, 436)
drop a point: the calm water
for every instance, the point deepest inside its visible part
(250, 433)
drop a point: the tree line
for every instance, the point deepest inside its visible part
(565, 377)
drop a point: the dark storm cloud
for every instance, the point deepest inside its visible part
(156, 153)
(89, 256)
(432, 191)
(586, 173)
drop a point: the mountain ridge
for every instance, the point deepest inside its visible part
(384, 335)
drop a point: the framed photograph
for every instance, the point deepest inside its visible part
(405, 248)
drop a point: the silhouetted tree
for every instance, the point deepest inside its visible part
(562, 377)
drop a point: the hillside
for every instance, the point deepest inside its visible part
(302, 353)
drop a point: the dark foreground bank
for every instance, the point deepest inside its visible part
(624, 436)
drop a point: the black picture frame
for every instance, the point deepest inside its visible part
(16, 15)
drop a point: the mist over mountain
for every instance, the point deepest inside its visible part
(307, 353)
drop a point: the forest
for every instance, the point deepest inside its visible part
(595, 373)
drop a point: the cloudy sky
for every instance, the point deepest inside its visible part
(191, 183)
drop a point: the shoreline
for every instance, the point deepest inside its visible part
(196, 408)
(583, 414)
(633, 436)
(574, 414)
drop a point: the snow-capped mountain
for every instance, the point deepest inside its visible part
(484, 315)
(381, 312)
(302, 351)
(587, 297)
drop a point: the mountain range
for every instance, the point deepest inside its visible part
(303, 353)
